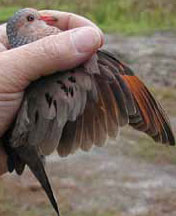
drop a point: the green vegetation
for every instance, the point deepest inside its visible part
(167, 97)
(143, 147)
(154, 153)
(124, 16)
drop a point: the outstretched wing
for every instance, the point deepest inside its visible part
(84, 106)
(150, 116)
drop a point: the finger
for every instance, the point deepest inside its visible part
(68, 21)
(43, 57)
(3, 36)
(2, 47)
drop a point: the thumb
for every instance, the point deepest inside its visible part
(45, 56)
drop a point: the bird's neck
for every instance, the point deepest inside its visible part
(16, 39)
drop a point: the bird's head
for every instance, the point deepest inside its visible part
(27, 25)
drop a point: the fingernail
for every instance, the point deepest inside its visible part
(86, 39)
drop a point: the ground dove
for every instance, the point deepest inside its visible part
(78, 108)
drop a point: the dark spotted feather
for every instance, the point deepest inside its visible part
(78, 108)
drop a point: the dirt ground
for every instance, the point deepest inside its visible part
(131, 176)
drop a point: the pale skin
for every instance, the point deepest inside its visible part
(81, 39)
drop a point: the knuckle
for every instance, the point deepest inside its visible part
(57, 47)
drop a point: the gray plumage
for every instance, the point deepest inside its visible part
(78, 108)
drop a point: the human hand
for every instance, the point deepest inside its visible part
(80, 39)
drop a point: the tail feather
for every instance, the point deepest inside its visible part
(28, 155)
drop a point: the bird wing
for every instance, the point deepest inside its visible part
(150, 116)
(84, 106)
(122, 99)
(48, 104)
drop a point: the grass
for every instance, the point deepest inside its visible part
(167, 97)
(124, 16)
(6, 12)
(154, 153)
(144, 148)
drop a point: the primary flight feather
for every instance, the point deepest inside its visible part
(78, 108)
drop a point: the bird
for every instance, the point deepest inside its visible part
(77, 108)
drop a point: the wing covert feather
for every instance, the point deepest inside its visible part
(84, 106)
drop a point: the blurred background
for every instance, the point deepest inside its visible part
(131, 176)
(125, 16)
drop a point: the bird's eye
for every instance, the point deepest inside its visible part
(30, 18)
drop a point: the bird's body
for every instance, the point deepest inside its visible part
(79, 108)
